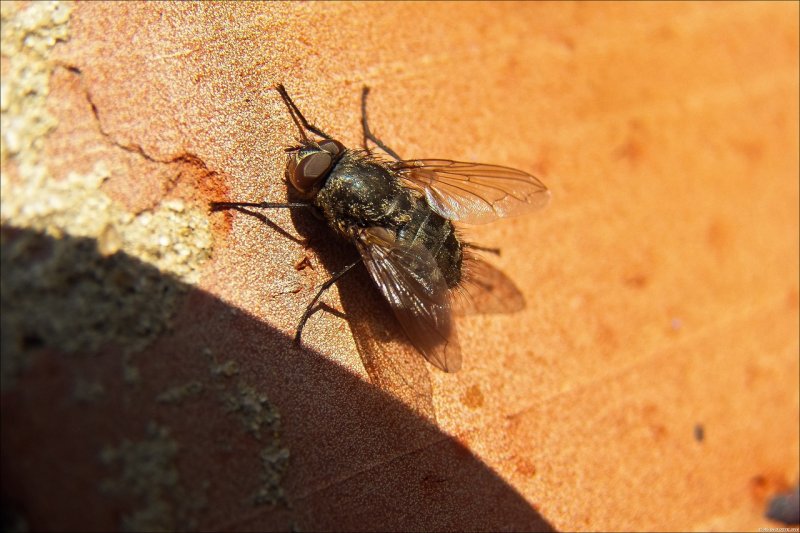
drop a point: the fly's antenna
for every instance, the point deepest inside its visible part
(297, 116)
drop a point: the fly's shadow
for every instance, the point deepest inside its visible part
(390, 360)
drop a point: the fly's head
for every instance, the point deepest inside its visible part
(310, 163)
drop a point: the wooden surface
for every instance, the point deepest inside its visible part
(651, 382)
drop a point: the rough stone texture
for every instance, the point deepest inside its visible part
(149, 378)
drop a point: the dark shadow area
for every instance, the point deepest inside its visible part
(785, 507)
(134, 401)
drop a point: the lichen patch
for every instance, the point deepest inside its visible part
(71, 275)
(145, 473)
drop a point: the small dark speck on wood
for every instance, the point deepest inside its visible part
(699, 432)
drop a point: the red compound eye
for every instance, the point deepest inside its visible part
(332, 147)
(310, 169)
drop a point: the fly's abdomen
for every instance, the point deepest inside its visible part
(437, 235)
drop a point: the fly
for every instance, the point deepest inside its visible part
(400, 215)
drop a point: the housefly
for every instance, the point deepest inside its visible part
(400, 215)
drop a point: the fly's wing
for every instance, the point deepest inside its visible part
(410, 280)
(474, 193)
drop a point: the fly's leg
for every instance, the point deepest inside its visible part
(495, 251)
(368, 135)
(219, 206)
(298, 117)
(243, 207)
(325, 286)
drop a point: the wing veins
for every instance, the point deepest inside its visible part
(474, 179)
(474, 193)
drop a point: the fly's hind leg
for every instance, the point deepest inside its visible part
(368, 135)
(492, 250)
(325, 286)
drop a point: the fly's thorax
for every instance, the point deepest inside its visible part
(362, 192)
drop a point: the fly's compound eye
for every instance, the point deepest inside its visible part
(306, 172)
(335, 148)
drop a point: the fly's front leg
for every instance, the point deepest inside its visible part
(368, 135)
(298, 117)
(219, 206)
(325, 286)
(244, 207)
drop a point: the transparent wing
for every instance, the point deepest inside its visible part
(391, 361)
(411, 282)
(474, 193)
